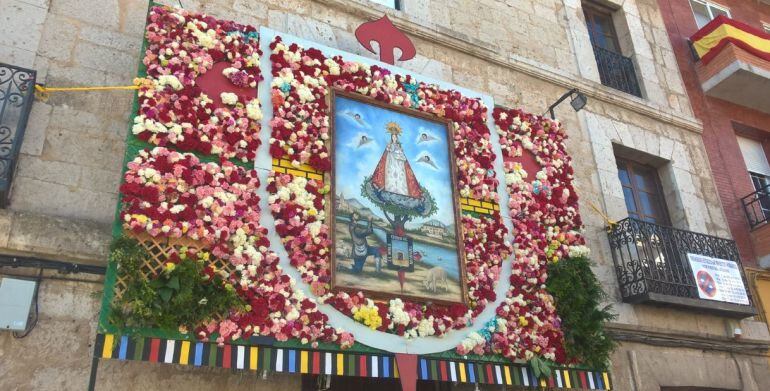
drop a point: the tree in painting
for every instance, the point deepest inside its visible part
(394, 188)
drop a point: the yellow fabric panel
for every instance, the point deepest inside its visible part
(109, 339)
(705, 44)
(184, 353)
(253, 355)
(303, 362)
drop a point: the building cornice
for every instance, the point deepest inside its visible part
(692, 340)
(494, 54)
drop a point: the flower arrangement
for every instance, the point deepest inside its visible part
(300, 132)
(302, 79)
(174, 108)
(174, 194)
(547, 225)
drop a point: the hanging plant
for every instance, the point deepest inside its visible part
(578, 295)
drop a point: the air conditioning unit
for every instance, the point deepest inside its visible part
(16, 297)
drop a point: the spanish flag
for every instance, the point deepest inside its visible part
(721, 31)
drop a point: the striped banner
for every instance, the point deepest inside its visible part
(510, 375)
(714, 36)
(290, 360)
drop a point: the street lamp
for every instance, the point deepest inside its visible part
(578, 101)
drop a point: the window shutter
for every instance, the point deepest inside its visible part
(754, 156)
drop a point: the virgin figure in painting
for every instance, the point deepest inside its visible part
(394, 188)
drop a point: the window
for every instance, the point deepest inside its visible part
(642, 192)
(759, 171)
(615, 70)
(395, 4)
(601, 28)
(705, 11)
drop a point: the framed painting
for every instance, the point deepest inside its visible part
(394, 212)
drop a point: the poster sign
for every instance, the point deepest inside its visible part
(718, 279)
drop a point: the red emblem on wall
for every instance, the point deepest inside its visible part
(388, 37)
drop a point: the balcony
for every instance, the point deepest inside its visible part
(757, 208)
(734, 62)
(651, 262)
(617, 71)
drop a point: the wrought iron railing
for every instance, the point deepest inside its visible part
(617, 71)
(757, 207)
(16, 96)
(652, 259)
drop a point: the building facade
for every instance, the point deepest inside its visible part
(730, 103)
(641, 150)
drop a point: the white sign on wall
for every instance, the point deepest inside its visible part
(718, 279)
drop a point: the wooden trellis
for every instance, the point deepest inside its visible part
(159, 249)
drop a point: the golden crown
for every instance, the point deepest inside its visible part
(393, 128)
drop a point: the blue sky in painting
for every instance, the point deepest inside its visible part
(353, 162)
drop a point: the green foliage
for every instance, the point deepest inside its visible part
(398, 210)
(540, 366)
(578, 296)
(181, 295)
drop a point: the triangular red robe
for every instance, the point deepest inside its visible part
(378, 178)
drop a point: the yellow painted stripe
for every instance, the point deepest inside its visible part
(184, 353)
(466, 207)
(109, 339)
(296, 172)
(276, 162)
(303, 362)
(253, 356)
(482, 210)
(473, 202)
(279, 169)
(487, 205)
(567, 383)
(606, 380)
(462, 372)
(507, 375)
(340, 364)
(395, 370)
(315, 176)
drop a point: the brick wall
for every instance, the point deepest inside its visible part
(729, 170)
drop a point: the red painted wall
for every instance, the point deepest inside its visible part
(719, 135)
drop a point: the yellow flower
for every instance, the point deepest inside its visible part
(140, 218)
(170, 266)
(523, 322)
(204, 255)
(312, 212)
(368, 316)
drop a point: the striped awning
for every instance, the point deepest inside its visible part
(714, 36)
(338, 363)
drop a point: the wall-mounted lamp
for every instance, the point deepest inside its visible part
(578, 101)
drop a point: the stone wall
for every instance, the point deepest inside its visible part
(523, 53)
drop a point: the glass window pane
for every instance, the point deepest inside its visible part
(625, 180)
(701, 13)
(644, 180)
(628, 194)
(387, 3)
(718, 11)
(649, 204)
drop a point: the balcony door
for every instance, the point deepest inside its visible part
(601, 28)
(615, 70)
(758, 204)
(642, 192)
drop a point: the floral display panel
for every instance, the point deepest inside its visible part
(394, 225)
